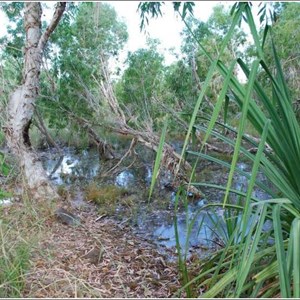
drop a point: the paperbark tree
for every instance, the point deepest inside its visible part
(22, 101)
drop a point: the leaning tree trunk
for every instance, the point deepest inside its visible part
(171, 160)
(22, 101)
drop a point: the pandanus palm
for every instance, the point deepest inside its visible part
(260, 262)
(253, 266)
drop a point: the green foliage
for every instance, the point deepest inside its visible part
(285, 21)
(14, 261)
(182, 85)
(241, 263)
(4, 168)
(13, 43)
(247, 265)
(158, 159)
(141, 80)
(176, 87)
(149, 8)
(4, 171)
(153, 9)
(87, 32)
(211, 36)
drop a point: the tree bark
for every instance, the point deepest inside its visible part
(22, 101)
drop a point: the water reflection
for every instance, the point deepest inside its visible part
(135, 177)
(197, 229)
(201, 233)
(125, 179)
(6, 202)
(240, 182)
(71, 165)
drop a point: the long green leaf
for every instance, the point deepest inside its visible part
(241, 127)
(228, 278)
(158, 158)
(249, 252)
(254, 172)
(252, 26)
(281, 257)
(218, 105)
(268, 272)
(295, 237)
(181, 261)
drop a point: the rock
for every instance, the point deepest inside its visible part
(169, 186)
(94, 255)
(66, 217)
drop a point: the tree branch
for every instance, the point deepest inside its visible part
(59, 10)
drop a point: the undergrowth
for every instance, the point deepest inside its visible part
(21, 225)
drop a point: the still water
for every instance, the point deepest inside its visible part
(71, 166)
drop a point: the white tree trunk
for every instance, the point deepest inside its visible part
(22, 101)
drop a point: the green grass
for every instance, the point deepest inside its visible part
(21, 226)
(14, 262)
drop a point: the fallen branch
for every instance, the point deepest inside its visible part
(127, 154)
(105, 149)
(42, 128)
(170, 158)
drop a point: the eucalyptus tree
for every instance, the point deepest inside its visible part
(211, 35)
(90, 36)
(22, 100)
(72, 73)
(141, 81)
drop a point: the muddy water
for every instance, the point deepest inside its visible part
(71, 166)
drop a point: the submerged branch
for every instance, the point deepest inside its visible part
(127, 154)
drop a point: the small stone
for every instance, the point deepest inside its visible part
(66, 217)
(94, 255)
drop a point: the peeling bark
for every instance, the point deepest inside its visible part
(22, 101)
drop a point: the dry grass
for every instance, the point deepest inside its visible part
(104, 195)
(20, 228)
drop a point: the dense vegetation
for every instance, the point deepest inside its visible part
(201, 98)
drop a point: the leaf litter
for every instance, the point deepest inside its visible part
(98, 258)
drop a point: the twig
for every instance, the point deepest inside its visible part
(128, 152)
